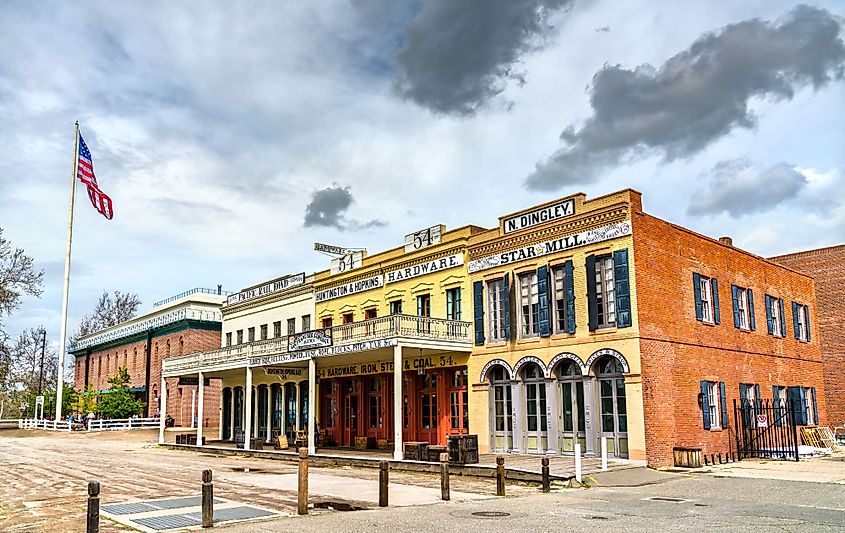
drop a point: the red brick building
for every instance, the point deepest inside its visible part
(827, 266)
(186, 323)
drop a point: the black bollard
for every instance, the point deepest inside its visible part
(207, 500)
(547, 485)
(93, 507)
(382, 483)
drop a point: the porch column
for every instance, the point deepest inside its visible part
(162, 405)
(248, 409)
(591, 416)
(269, 412)
(398, 448)
(552, 410)
(312, 392)
(200, 400)
(517, 407)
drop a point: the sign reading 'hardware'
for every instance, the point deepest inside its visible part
(366, 284)
(309, 340)
(428, 267)
(274, 286)
(549, 247)
(540, 216)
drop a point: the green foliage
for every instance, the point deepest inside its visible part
(84, 402)
(118, 402)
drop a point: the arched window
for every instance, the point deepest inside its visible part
(501, 398)
(535, 407)
(573, 415)
(613, 407)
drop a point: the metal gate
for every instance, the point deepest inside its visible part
(765, 429)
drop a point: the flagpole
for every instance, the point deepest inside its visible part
(63, 335)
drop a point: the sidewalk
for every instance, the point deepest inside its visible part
(830, 469)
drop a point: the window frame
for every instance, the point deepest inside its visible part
(777, 327)
(742, 304)
(802, 322)
(705, 289)
(495, 315)
(291, 326)
(239, 336)
(306, 322)
(714, 398)
(277, 329)
(229, 338)
(809, 407)
(528, 301)
(395, 307)
(264, 332)
(453, 303)
(250, 334)
(605, 296)
(559, 311)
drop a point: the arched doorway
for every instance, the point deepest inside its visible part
(572, 406)
(227, 414)
(262, 411)
(277, 409)
(612, 406)
(536, 419)
(238, 425)
(290, 411)
(501, 399)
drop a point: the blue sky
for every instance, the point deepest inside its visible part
(213, 129)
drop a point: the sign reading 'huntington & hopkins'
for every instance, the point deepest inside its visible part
(373, 282)
(539, 216)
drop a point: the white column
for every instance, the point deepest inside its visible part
(200, 407)
(255, 409)
(248, 408)
(592, 420)
(312, 392)
(552, 415)
(269, 412)
(162, 404)
(398, 449)
(517, 409)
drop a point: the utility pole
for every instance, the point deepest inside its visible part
(43, 349)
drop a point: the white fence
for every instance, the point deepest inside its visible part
(115, 424)
(50, 425)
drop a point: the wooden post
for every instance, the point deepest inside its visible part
(444, 476)
(93, 507)
(382, 483)
(547, 486)
(302, 496)
(500, 476)
(207, 500)
(578, 462)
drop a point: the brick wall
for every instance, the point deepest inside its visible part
(827, 266)
(678, 352)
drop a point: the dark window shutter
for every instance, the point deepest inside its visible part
(802, 406)
(743, 404)
(776, 405)
(769, 315)
(543, 300)
(751, 322)
(795, 319)
(714, 286)
(757, 399)
(478, 311)
(506, 306)
(696, 291)
(592, 303)
(793, 400)
(724, 400)
(782, 318)
(815, 406)
(570, 297)
(622, 289)
(807, 321)
(705, 404)
(735, 299)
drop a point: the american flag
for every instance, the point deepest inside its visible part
(85, 173)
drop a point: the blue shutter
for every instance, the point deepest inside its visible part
(592, 303)
(769, 315)
(743, 404)
(751, 322)
(782, 318)
(795, 319)
(815, 406)
(696, 291)
(802, 407)
(807, 321)
(506, 306)
(735, 300)
(478, 311)
(724, 400)
(714, 286)
(705, 405)
(622, 289)
(543, 300)
(570, 297)
(758, 400)
(793, 399)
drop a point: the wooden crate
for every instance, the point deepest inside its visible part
(416, 451)
(434, 452)
(382, 444)
(361, 443)
(687, 457)
(463, 449)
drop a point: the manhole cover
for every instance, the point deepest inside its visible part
(596, 517)
(666, 499)
(490, 514)
(337, 506)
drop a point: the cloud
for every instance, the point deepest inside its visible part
(738, 188)
(327, 208)
(457, 56)
(697, 96)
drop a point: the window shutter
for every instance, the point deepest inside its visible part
(696, 291)
(724, 400)
(570, 297)
(769, 315)
(802, 407)
(735, 300)
(506, 306)
(705, 404)
(776, 405)
(622, 289)
(757, 400)
(592, 303)
(782, 318)
(478, 311)
(815, 406)
(543, 300)
(793, 400)
(714, 286)
(751, 322)
(795, 319)
(807, 319)
(743, 404)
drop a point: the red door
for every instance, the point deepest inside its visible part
(350, 412)
(427, 411)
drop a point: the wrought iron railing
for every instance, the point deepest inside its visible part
(195, 290)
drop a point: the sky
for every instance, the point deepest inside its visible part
(231, 136)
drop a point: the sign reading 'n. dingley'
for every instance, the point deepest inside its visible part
(539, 216)
(454, 260)
(549, 247)
(274, 286)
(373, 282)
(309, 340)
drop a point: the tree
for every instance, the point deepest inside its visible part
(24, 372)
(109, 311)
(85, 401)
(17, 277)
(118, 402)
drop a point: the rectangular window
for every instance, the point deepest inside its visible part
(229, 339)
(424, 305)
(306, 322)
(810, 405)
(801, 322)
(559, 299)
(264, 332)
(327, 322)
(291, 326)
(605, 292)
(251, 334)
(396, 307)
(348, 318)
(777, 320)
(370, 313)
(714, 397)
(742, 308)
(704, 289)
(277, 329)
(240, 336)
(529, 305)
(496, 310)
(453, 304)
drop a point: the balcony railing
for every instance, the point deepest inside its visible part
(195, 290)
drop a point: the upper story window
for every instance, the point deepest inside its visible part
(774, 316)
(229, 339)
(348, 318)
(327, 322)
(605, 292)
(396, 307)
(496, 310)
(370, 313)
(424, 305)
(801, 321)
(713, 402)
(277, 329)
(291, 326)
(706, 292)
(264, 332)
(306, 322)
(529, 305)
(559, 300)
(743, 304)
(251, 334)
(453, 303)
(240, 336)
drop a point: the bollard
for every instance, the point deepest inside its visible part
(302, 497)
(720, 458)
(500, 476)
(712, 458)
(444, 476)
(207, 500)
(382, 483)
(578, 462)
(93, 507)
(604, 454)
(547, 486)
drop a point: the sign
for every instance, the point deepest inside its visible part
(278, 359)
(284, 372)
(329, 249)
(349, 261)
(274, 286)
(39, 400)
(550, 247)
(373, 282)
(762, 421)
(362, 346)
(423, 238)
(452, 261)
(308, 340)
(382, 367)
(193, 381)
(540, 216)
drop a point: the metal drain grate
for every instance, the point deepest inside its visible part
(128, 508)
(234, 513)
(490, 514)
(173, 521)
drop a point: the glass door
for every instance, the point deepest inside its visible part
(428, 408)
(614, 413)
(536, 421)
(290, 412)
(502, 435)
(350, 412)
(227, 413)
